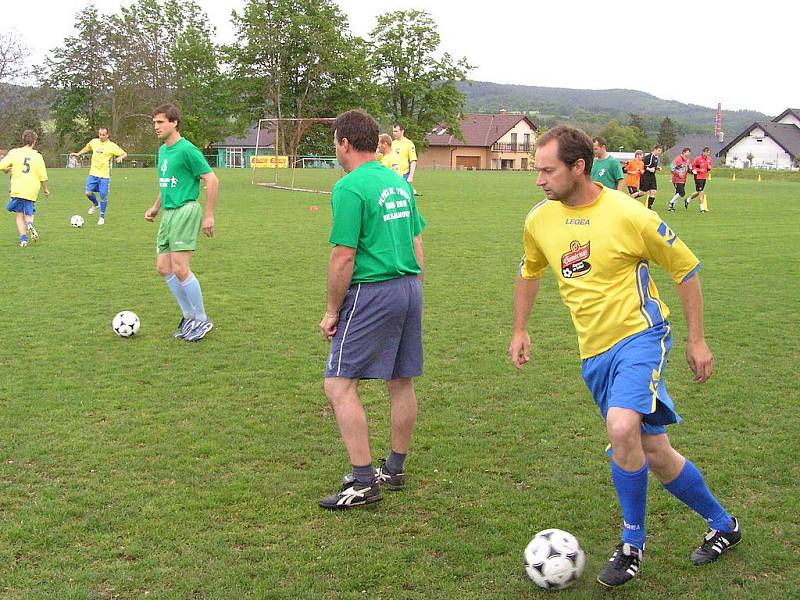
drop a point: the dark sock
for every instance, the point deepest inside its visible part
(364, 475)
(394, 464)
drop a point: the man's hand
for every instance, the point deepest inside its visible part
(119, 159)
(328, 326)
(150, 214)
(700, 360)
(208, 225)
(519, 350)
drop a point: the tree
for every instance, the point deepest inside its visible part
(296, 58)
(421, 89)
(636, 121)
(629, 138)
(750, 158)
(666, 134)
(13, 53)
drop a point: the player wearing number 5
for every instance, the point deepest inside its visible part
(28, 175)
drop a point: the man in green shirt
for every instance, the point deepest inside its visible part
(181, 166)
(606, 169)
(374, 310)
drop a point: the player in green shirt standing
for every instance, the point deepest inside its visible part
(181, 166)
(373, 316)
(606, 169)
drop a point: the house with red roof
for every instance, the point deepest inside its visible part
(491, 141)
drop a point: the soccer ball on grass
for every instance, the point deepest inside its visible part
(76, 221)
(554, 559)
(125, 324)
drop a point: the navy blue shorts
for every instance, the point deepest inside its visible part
(20, 205)
(630, 375)
(379, 334)
(98, 184)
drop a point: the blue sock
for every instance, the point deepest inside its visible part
(103, 204)
(175, 287)
(23, 237)
(690, 488)
(364, 475)
(93, 199)
(191, 288)
(632, 494)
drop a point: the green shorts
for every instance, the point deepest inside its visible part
(179, 228)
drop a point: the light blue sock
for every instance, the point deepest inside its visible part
(23, 237)
(632, 494)
(690, 488)
(103, 204)
(93, 199)
(175, 287)
(191, 288)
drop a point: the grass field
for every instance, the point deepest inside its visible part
(154, 468)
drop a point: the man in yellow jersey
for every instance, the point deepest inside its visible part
(405, 153)
(28, 175)
(599, 243)
(103, 152)
(385, 154)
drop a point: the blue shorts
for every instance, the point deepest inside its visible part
(630, 375)
(379, 334)
(20, 205)
(98, 184)
(405, 175)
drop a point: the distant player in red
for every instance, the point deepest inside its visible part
(701, 167)
(680, 169)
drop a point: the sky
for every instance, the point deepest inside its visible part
(706, 52)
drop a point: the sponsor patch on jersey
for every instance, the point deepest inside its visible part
(575, 262)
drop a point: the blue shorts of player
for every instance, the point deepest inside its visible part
(379, 334)
(630, 375)
(98, 184)
(405, 175)
(20, 205)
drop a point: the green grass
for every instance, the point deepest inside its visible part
(152, 467)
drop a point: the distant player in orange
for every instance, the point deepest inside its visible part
(633, 172)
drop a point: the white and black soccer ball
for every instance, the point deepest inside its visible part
(76, 221)
(125, 324)
(554, 559)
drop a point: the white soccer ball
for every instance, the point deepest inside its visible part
(554, 559)
(125, 324)
(76, 221)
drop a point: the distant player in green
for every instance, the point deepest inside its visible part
(103, 152)
(181, 166)
(28, 175)
(606, 169)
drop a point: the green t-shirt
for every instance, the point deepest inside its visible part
(374, 211)
(607, 171)
(179, 169)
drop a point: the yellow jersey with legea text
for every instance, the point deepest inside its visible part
(27, 172)
(404, 154)
(102, 155)
(600, 254)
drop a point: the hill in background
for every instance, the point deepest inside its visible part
(592, 109)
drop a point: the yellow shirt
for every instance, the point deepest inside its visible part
(601, 255)
(102, 155)
(404, 154)
(27, 172)
(387, 160)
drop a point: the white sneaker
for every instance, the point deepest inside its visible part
(101, 221)
(93, 208)
(23, 243)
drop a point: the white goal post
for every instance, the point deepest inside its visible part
(295, 154)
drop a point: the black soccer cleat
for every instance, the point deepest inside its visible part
(391, 481)
(623, 566)
(352, 495)
(716, 543)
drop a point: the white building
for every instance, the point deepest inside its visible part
(767, 145)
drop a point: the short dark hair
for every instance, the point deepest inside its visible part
(99, 129)
(29, 137)
(359, 128)
(399, 125)
(657, 147)
(706, 149)
(600, 141)
(170, 111)
(686, 149)
(573, 144)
